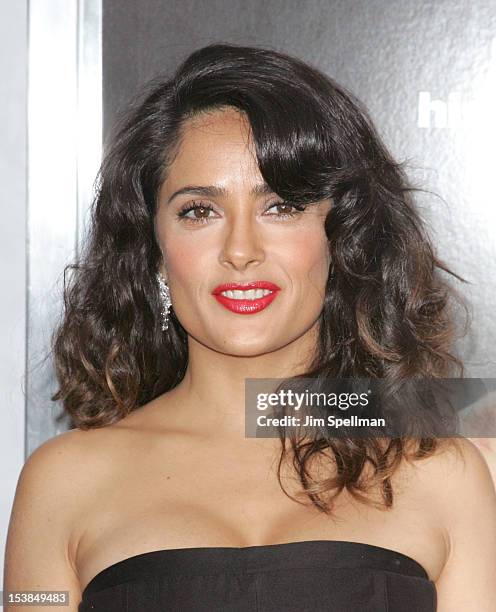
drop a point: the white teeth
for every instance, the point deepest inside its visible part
(251, 294)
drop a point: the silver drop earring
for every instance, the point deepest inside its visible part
(166, 300)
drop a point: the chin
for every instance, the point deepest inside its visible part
(239, 349)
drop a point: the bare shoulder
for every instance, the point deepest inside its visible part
(452, 477)
(73, 459)
(73, 465)
(456, 463)
(56, 475)
(63, 460)
(47, 500)
(461, 491)
(52, 466)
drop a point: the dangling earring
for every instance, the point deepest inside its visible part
(166, 300)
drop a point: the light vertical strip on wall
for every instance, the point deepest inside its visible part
(90, 102)
(64, 140)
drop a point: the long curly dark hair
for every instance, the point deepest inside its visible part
(387, 311)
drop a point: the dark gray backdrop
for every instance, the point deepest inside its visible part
(426, 71)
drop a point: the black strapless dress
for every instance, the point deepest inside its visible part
(309, 576)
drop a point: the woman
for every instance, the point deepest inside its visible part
(249, 167)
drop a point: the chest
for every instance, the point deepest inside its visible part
(185, 502)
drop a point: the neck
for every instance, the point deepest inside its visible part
(211, 396)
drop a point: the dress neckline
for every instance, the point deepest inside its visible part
(213, 559)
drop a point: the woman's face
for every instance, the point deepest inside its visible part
(239, 236)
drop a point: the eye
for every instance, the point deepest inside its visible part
(203, 214)
(196, 206)
(297, 209)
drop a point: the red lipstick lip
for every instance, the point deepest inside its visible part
(246, 286)
(246, 306)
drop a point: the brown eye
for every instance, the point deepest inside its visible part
(200, 213)
(286, 209)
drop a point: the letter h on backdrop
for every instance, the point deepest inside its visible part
(444, 114)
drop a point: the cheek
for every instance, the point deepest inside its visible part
(190, 260)
(311, 258)
(183, 259)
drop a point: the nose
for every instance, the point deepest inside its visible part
(242, 245)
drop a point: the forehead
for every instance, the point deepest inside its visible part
(214, 146)
(218, 122)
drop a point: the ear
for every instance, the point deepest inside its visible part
(163, 271)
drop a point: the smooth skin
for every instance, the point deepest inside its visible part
(178, 472)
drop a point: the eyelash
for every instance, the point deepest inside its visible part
(195, 205)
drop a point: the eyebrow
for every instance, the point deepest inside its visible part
(212, 191)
